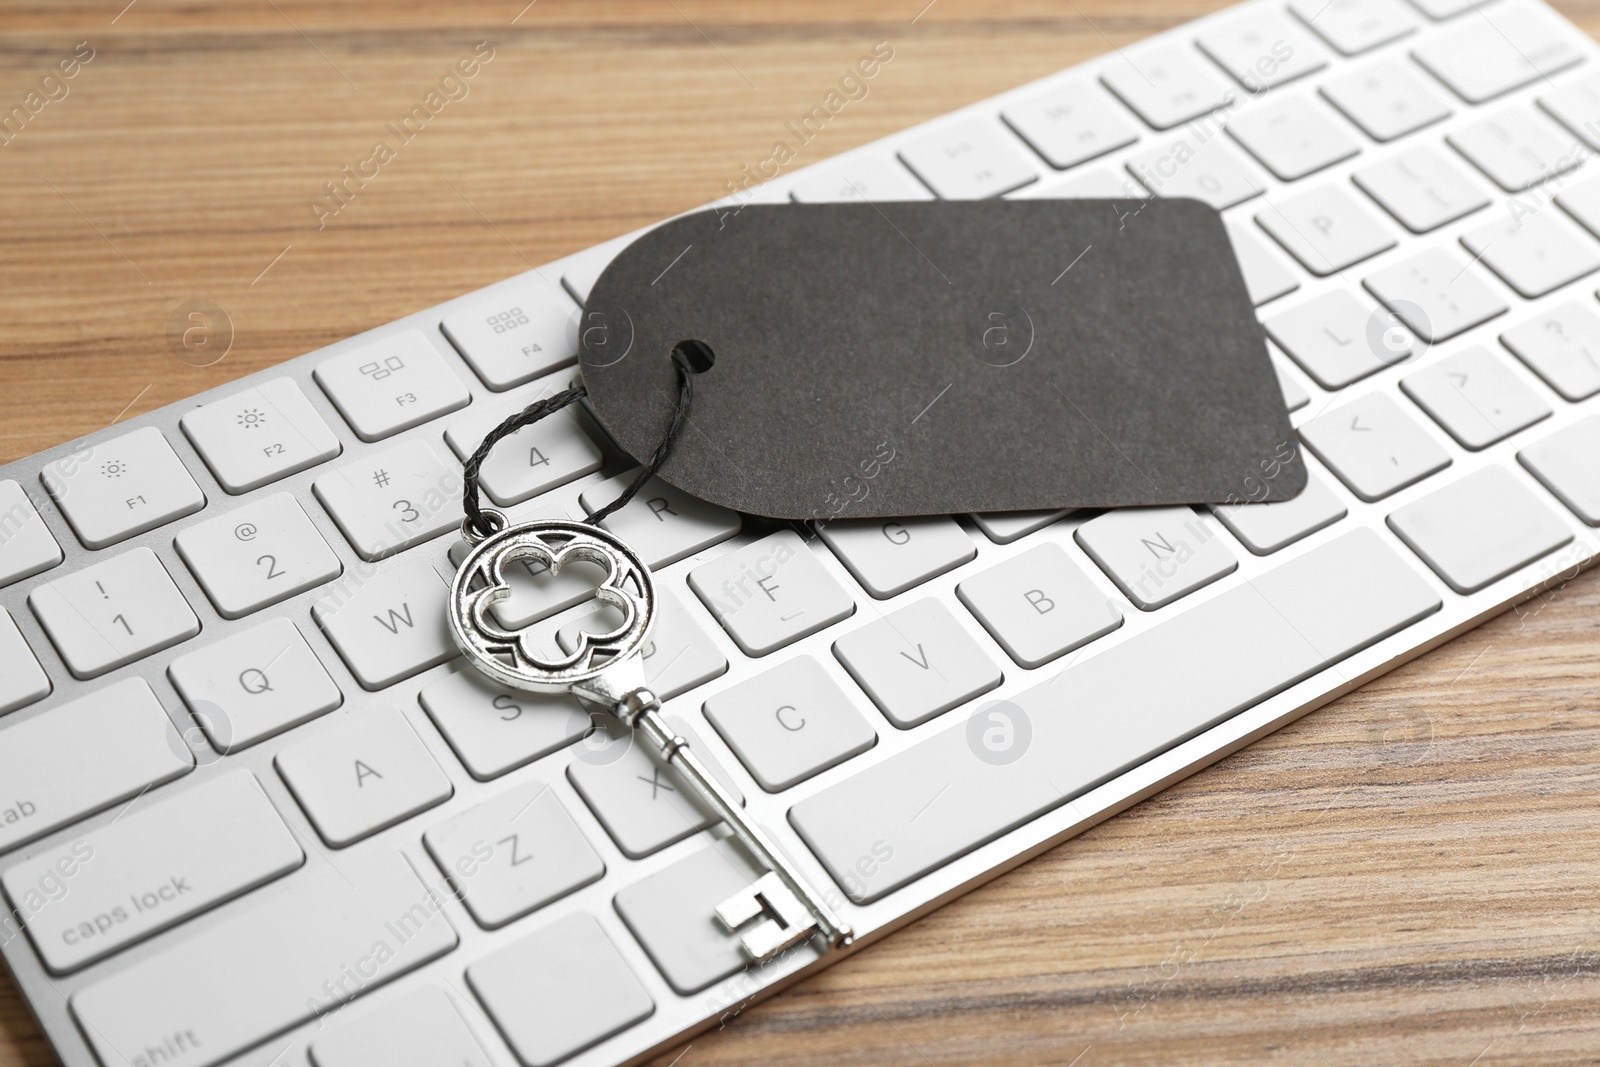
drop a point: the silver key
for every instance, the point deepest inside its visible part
(391, 385)
(970, 159)
(1505, 47)
(392, 499)
(1475, 397)
(1568, 463)
(873, 179)
(546, 1013)
(789, 723)
(1518, 148)
(121, 487)
(1479, 528)
(253, 684)
(535, 459)
(1387, 99)
(1070, 124)
(1262, 49)
(1292, 136)
(1166, 84)
(771, 593)
(1354, 26)
(679, 655)
(1265, 276)
(1265, 528)
(259, 435)
(1325, 228)
(1374, 447)
(1039, 605)
(1206, 169)
(513, 853)
(363, 774)
(1420, 188)
(495, 730)
(1562, 346)
(22, 680)
(256, 555)
(889, 557)
(152, 869)
(1338, 339)
(390, 626)
(1436, 294)
(662, 523)
(113, 613)
(26, 545)
(1156, 555)
(420, 1029)
(917, 662)
(517, 336)
(535, 593)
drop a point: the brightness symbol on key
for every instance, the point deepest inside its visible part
(380, 478)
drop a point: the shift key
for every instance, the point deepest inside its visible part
(151, 870)
(325, 935)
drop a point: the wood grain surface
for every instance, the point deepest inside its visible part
(1410, 876)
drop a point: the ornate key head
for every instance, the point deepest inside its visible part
(507, 655)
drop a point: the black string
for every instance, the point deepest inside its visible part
(537, 410)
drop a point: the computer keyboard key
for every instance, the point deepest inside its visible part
(1576, 105)
(26, 545)
(643, 805)
(917, 662)
(494, 730)
(1374, 447)
(390, 626)
(253, 684)
(671, 913)
(152, 869)
(1330, 337)
(1562, 346)
(114, 489)
(1439, 10)
(873, 179)
(1325, 228)
(1518, 148)
(771, 593)
(1387, 99)
(917, 810)
(1156, 555)
(789, 723)
(889, 557)
(1292, 136)
(1070, 124)
(970, 159)
(256, 555)
(1421, 188)
(1582, 202)
(259, 435)
(333, 933)
(1295, 396)
(533, 460)
(1004, 527)
(1096, 183)
(679, 655)
(1479, 528)
(1355, 26)
(1265, 276)
(1475, 397)
(1205, 169)
(22, 680)
(1505, 47)
(513, 853)
(1039, 605)
(662, 524)
(581, 270)
(113, 613)
(1166, 84)
(362, 774)
(548, 1014)
(516, 336)
(420, 1029)
(1568, 463)
(1262, 48)
(391, 385)
(1435, 293)
(83, 756)
(1265, 528)
(389, 500)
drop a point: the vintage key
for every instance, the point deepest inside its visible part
(779, 909)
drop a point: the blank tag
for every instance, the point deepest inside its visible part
(932, 358)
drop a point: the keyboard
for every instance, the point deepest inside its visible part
(254, 808)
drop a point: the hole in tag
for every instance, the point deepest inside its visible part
(698, 353)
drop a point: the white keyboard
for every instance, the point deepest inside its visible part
(254, 810)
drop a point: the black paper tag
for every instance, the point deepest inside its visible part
(931, 358)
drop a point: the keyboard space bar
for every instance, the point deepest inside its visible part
(944, 797)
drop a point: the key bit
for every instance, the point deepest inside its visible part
(784, 920)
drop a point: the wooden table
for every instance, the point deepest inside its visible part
(1411, 875)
